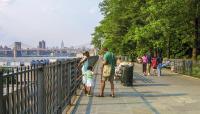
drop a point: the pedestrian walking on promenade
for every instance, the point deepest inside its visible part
(154, 64)
(107, 72)
(149, 57)
(144, 64)
(159, 65)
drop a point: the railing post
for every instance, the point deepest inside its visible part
(183, 67)
(1, 92)
(190, 67)
(59, 110)
(69, 82)
(41, 99)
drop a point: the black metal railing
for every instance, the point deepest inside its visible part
(19, 91)
(40, 89)
(182, 66)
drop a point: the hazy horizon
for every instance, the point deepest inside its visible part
(30, 21)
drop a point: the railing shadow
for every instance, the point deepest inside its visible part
(150, 84)
(146, 94)
(139, 77)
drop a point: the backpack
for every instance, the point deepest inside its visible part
(107, 70)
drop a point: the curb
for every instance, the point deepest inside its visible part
(184, 75)
(187, 76)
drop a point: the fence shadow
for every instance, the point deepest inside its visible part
(139, 77)
(150, 84)
(147, 94)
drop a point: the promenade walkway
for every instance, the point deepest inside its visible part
(169, 94)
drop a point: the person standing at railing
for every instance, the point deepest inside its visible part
(90, 80)
(109, 63)
(85, 63)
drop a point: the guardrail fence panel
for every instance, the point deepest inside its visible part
(40, 89)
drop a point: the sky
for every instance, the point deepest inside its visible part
(30, 21)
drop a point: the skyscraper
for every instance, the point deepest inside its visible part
(17, 49)
(42, 44)
(18, 45)
(62, 45)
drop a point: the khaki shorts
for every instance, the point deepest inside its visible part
(110, 78)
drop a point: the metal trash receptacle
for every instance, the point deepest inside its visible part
(127, 75)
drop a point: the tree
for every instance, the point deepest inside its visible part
(134, 26)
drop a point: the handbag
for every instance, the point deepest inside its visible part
(107, 70)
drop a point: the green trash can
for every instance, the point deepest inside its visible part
(127, 75)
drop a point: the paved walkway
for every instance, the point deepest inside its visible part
(169, 94)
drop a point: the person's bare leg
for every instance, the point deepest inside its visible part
(102, 88)
(85, 88)
(112, 88)
(89, 90)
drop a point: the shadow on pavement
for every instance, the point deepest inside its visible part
(139, 77)
(143, 94)
(150, 84)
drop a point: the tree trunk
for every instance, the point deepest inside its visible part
(195, 42)
(194, 55)
(168, 48)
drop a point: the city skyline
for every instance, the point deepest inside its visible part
(18, 50)
(53, 21)
(42, 44)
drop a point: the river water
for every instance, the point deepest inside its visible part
(10, 61)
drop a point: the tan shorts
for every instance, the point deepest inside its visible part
(110, 78)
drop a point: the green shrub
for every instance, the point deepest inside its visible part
(196, 70)
(198, 57)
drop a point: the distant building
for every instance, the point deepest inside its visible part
(42, 44)
(17, 45)
(17, 49)
(62, 45)
(1, 47)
